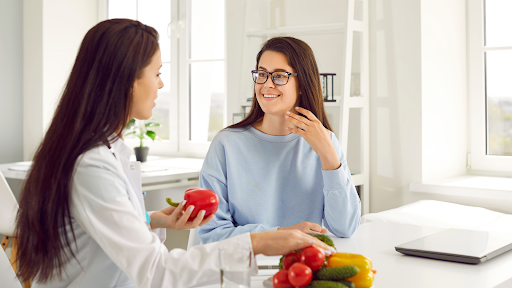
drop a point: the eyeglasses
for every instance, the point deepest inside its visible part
(278, 77)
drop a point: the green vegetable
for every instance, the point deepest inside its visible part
(336, 273)
(324, 238)
(325, 284)
(347, 283)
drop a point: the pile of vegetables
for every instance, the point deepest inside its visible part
(311, 269)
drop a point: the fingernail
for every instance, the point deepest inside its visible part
(183, 202)
(288, 112)
(332, 250)
(190, 208)
(327, 252)
(296, 108)
(203, 212)
(310, 241)
(287, 117)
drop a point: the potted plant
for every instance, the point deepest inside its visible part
(143, 130)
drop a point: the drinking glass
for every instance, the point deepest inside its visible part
(235, 267)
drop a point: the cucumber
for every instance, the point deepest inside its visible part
(336, 273)
(325, 284)
(347, 283)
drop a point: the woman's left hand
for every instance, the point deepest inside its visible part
(177, 219)
(318, 137)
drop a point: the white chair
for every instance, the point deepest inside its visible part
(8, 211)
(7, 275)
(193, 238)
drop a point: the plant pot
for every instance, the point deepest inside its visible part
(141, 153)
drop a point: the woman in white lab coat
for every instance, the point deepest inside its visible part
(82, 221)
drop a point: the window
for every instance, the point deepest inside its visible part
(191, 106)
(490, 84)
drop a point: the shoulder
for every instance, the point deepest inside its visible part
(334, 139)
(228, 135)
(98, 158)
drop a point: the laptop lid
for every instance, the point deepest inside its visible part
(459, 245)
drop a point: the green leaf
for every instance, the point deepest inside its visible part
(129, 133)
(153, 124)
(151, 134)
(141, 136)
(130, 124)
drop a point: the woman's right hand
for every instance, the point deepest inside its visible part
(274, 243)
(306, 227)
(177, 218)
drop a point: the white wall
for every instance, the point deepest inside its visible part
(11, 80)
(395, 100)
(52, 32)
(418, 99)
(444, 95)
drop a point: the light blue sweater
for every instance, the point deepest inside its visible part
(265, 182)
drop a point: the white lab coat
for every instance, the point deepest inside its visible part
(114, 246)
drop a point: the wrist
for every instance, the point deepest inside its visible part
(255, 243)
(154, 220)
(330, 162)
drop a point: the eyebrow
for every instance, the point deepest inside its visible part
(276, 70)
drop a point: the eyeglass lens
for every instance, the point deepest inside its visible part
(279, 78)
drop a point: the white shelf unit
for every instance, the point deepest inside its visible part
(345, 102)
(330, 28)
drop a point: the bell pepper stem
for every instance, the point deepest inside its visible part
(171, 203)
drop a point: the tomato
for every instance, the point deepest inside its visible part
(280, 280)
(289, 259)
(300, 275)
(313, 257)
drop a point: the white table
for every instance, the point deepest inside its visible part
(157, 173)
(377, 241)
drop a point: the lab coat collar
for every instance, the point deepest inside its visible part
(121, 150)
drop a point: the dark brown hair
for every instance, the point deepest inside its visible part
(95, 104)
(301, 58)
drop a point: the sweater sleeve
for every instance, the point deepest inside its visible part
(213, 176)
(342, 206)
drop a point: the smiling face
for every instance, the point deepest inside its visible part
(276, 99)
(146, 87)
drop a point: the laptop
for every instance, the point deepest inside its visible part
(459, 245)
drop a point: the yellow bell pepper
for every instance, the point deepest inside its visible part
(364, 278)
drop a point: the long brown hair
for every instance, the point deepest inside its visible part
(95, 104)
(301, 58)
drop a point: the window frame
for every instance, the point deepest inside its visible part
(187, 146)
(178, 143)
(478, 160)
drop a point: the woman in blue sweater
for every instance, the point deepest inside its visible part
(282, 166)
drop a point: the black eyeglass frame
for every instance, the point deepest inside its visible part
(272, 76)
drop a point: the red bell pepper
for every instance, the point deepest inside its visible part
(201, 199)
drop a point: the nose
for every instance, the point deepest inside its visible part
(160, 83)
(269, 83)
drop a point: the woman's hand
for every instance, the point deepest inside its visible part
(273, 243)
(306, 227)
(177, 219)
(318, 137)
